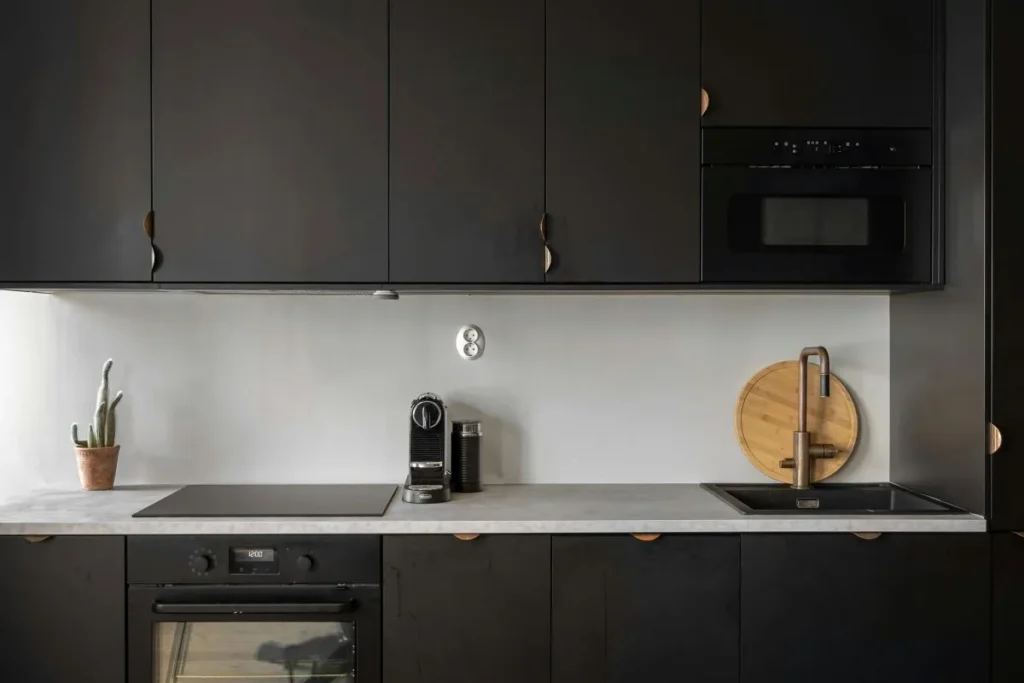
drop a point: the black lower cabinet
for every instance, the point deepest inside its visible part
(625, 610)
(467, 611)
(1007, 608)
(839, 608)
(63, 609)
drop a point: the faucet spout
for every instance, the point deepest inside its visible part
(804, 452)
(824, 372)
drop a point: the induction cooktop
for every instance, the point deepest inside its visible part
(274, 500)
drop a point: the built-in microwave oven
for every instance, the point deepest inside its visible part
(797, 206)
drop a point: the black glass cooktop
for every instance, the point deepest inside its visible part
(274, 500)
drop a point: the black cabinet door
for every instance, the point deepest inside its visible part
(807, 63)
(1007, 608)
(1006, 249)
(74, 141)
(467, 141)
(270, 140)
(902, 607)
(63, 609)
(623, 140)
(467, 611)
(624, 610)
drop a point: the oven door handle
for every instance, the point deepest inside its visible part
(254, 607)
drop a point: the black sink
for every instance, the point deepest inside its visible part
(828, 499)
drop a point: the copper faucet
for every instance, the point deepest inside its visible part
(804, 452)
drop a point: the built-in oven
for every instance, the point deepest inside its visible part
(792, 206)
(254, 609)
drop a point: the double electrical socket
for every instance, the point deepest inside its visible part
(469, 342)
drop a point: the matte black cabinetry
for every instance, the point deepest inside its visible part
(63, 609)
(1007, 608)
(74, 141)
(467, 141)
(625, 610)
(467, 611)
(1006, 249)
(623, 140)
(808, 63)
(270, 140)
(914, 606)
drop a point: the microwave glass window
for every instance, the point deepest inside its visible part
(825, 224)
(815, 222)
(253, 651)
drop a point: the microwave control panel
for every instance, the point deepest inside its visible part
(816, 147)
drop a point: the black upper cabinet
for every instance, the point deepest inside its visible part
(467, 141)
(1006, 373)
(625, 610)
(62, 609)
(812, 63)
(467, 611)
(902, 607)
(623, 140)
(74, 135)
(270, 140)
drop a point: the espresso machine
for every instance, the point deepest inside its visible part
(428, 480)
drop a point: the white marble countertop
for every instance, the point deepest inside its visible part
(527, 508)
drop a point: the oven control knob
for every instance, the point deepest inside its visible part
(200, 564)
(306, 563)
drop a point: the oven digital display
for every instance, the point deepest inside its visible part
(254, 561)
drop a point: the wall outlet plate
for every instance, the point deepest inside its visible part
(469, 342)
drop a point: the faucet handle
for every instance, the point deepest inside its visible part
(787, 464)
(823, 450)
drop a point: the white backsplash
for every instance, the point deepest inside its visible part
(306, 388)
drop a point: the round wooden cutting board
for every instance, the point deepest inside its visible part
(766, 417)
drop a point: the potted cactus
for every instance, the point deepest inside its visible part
(97, 455)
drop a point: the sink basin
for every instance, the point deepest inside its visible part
(827, 499)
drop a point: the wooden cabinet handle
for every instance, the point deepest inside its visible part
(646, 538)
(705, 101)
(467, 537)
(995, 439)
(547, 258)
(544, 228)
(37, 539)
(147, 225)
(867, 535)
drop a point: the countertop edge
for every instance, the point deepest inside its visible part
(188, 526)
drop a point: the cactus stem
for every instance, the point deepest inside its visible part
(111, 433)
(92, 438)
(99, 422)
(74, 437)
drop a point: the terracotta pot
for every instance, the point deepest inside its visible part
(97, 467)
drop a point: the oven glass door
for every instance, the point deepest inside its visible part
(844, 226)
(253, 634)
(253, 651)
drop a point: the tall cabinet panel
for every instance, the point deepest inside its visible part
(623, 140)
(270, 140)
(467, 141)
(1006, 250)
(1007, 608)
(74, 141)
